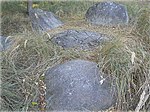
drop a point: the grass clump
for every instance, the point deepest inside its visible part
(22, 66)
(12, 6)
(17, 24)
(129, 67)
(142, 27)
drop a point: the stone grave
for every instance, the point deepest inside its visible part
(78, 85)
(43, 20)
(81, 39)
(107, 13)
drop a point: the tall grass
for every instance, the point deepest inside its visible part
(22, 66)
(130, 66)
(142, 27)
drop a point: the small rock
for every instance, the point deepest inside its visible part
(43, 20)
(107, 13)
(4, 43)
(78, 85)
(81, 39)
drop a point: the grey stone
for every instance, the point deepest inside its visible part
(107, 13)
(5, 43)
(43, 20)
(78, 85)
(82, 39)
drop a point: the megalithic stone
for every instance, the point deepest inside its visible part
(78, 85)
(43, 20)
(81, 39)
(107, 13)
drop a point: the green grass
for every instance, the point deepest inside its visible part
(126, 57)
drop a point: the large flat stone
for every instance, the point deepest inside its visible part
(43, 20)
(78, 85)
(107, 13)
(79, 39)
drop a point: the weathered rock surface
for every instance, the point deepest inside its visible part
(43, 20)
(107, 13)
(4, 43)
(79, 39)
(78, 85)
